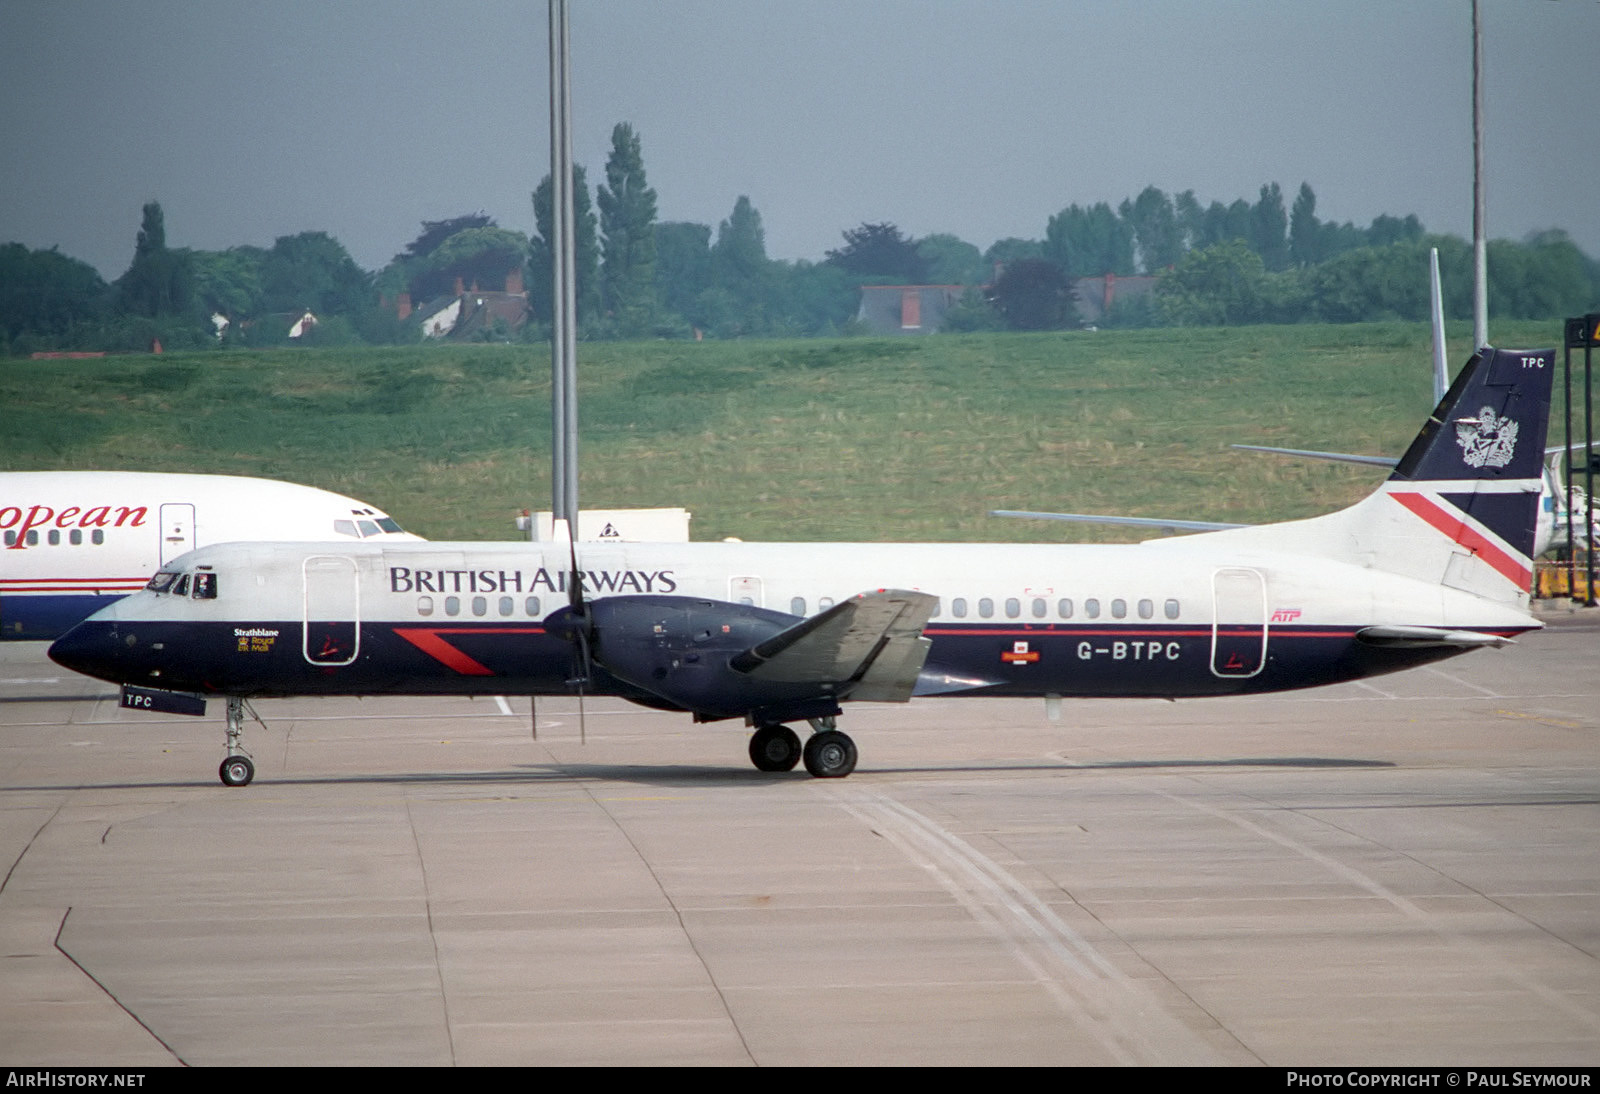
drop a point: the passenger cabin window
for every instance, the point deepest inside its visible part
(1147, 609)
(389, 524)
(1091, 608)
(1172, 609)
(55, 537)
(1039, 608)
(797, 606)
(531, 606)
(98, 535)
(986, 608)
(1119, 609)
(76, 537)
(367, 528)
(958, 607)
(424, 605)
(1064, 608)
(1013, 607)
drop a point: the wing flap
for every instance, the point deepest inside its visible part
(868, 647)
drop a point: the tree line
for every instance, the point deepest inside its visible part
(639, 277)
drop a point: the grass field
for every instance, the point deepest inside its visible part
(870, 439)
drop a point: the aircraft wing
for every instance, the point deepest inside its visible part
(870, 646)
(1338, 457)
(1137, 522)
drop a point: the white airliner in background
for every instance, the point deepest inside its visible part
(1436, 562)
(74, 541)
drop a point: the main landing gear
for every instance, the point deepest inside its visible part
(237, 768)
(829, 754)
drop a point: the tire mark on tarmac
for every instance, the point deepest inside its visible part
(1125, 1018)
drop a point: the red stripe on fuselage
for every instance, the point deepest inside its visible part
(428, 641)
(1458, 530)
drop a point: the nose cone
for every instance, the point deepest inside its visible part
(96, 648)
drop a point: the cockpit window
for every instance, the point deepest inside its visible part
(160, 582)
(205, 586)
(367, 528)
(389, 524)
(346, 528)
(182, 587)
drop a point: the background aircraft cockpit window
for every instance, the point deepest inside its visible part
(389, 524)
(160, 582)
(346, 528)
(367, 528)
(205, 586)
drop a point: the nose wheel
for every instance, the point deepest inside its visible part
(237, 768)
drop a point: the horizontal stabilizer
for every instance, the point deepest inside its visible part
(870, 647)
(1137, 522)
(1416, 638)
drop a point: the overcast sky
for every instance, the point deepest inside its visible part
(983, 119)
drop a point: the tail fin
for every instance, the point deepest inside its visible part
(1461, 508)
(1475, 472)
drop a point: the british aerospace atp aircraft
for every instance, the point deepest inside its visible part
(74, 541)
(1436, 562)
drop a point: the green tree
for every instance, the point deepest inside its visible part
(952, 261)
(160, 281)
(1090, 242)
(1305, 231)
(313, 270)
(47, 295)
(1155, 229)
(1269, 228)
(1222, 284)
(1035, 294)
(739, 260)
(229, 282)
(683, 265)
(627, 233)
(585, 251)
(880, 252)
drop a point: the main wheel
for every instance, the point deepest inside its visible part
(774, 748)
(237, 771)
(830, 755)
